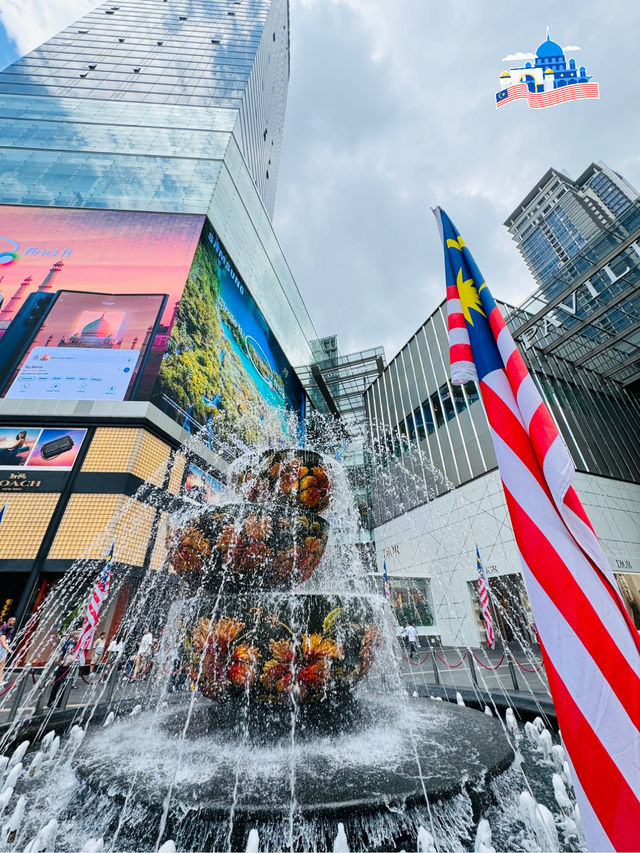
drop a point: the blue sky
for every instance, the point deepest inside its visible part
(391, 111)
(8, 48)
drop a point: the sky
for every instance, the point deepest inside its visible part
(391, 111)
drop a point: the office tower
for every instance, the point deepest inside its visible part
(156, 90)
(559, 216)
(146, 299)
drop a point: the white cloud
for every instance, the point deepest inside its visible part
(30, 22)
(520, 55)
(572, 47)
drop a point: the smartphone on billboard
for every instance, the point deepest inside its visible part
(90, 346)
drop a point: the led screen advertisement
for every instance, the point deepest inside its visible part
(221, 357)
(88, 300)
(114, 305)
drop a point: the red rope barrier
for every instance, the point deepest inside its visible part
(526, 668)
(413, 663)
(7, 689)
(451, 665)
(483, 665)
(43, 686)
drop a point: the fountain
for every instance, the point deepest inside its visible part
(293, 729)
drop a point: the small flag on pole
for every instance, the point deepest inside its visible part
(590, 647)
(386, 590)
(483, 592)
(93, 610)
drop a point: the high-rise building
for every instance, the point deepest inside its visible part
(158, 91)
(554, 221)
(145, 296)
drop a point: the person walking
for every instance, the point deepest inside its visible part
(412, 639)
(96, 654)
(6, 635)
(144, 652)
(66, 662)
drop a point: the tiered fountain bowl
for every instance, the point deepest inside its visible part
(266, 638)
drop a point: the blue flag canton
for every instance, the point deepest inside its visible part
(475, 298)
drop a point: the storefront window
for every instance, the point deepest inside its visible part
(411, 600)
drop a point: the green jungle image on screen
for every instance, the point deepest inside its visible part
(222, 363)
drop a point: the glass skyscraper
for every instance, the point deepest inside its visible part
(158, 90)
(560, 216)
(144, 296)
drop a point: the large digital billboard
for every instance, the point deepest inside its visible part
(88, 299)
(222, 358)
(113, 305)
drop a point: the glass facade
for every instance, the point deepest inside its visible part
(429, 436)
(560, 216)
(593, 321)
(153, 91)
(140, 111)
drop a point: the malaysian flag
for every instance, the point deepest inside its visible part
(386, 588)
(93, 610)
(590, 647)
(539, 100)
(483, 592)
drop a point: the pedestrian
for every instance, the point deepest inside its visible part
(412, 639)
(145, 649)
(66, 661)
(6, 635)
(114, 650)
(96, 654)
(403, 638)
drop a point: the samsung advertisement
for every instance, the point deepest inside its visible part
(112, 306)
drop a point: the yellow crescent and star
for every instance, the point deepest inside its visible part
(467, 290)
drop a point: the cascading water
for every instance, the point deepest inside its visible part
(289, 716)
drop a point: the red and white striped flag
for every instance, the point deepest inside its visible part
(483, 592)
(590, 647)
(540, 100)
(93, 611)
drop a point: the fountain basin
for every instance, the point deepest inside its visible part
(389, 762)
(247, 546)
(275, 647)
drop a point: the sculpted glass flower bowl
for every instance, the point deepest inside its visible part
(310, 648)
(293, 477)
(248, 546)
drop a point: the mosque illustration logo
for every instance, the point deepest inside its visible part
(548, 80)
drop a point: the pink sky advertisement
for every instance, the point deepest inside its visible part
(88, 299)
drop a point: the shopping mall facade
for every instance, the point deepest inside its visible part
(580, 335)
(149, 321)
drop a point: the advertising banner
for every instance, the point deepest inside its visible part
(88, 299)
(29, 447)
(222, 358)
(201, 487)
